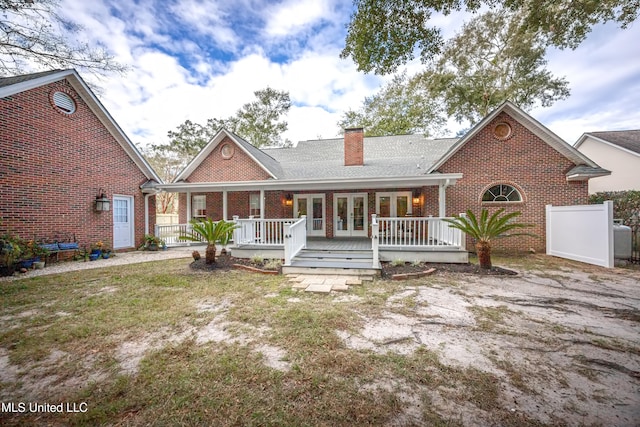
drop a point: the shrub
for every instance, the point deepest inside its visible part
(626, 204)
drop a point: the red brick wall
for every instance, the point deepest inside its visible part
(52, 165)
(217, 168)
(522, 160)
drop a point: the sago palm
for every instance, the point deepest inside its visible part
(487, 228)
(211, 232)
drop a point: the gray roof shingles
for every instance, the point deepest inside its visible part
(386, 156)
(629, 139)
(8, 81)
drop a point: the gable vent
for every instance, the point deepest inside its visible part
(64, 102)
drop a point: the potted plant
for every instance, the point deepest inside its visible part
(10, 252)
(97, 248)
(152, 243)
(106, 253)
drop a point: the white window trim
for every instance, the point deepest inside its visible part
(501, 201)
(393, 195)
(195, 205)
(309, 198)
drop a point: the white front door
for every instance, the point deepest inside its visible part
(122, 222)
(350, 214)
(313, 206)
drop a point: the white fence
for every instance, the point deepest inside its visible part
(171, 233)
(167, 219)
(582, 233)
(418, 232)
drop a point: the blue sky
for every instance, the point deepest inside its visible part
(197, 59)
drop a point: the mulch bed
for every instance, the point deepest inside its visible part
(227, 262)
(388, 270)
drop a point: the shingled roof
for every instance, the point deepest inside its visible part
(8, 81)
(628, 139)
(384, 156)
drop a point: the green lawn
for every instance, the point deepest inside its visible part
(159, 344)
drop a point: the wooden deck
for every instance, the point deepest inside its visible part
(339, 244)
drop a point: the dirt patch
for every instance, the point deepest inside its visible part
(562, 342)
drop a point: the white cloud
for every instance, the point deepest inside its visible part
(160, 92)
(292, 16)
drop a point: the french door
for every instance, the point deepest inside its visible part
(350, 214)
(313, 206)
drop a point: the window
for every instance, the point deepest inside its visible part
(502, 193)
(397, 204)
(199, 206)
(254, 204)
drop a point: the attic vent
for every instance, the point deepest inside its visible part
(64, 102)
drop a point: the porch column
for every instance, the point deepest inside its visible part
(188, 206)
(224, 204)
(442, 198)
(261, 204)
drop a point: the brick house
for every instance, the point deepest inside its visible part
(507, 160)
(60, 150)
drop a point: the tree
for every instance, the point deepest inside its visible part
(168, 165)
(403, 106)
(384, 34)
(210, 232)
(32, 32)
(491, 61)
(260, 122)
(487, 229)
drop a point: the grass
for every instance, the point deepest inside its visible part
(70, 332)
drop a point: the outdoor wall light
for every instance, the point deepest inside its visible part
(416, 197)
(102, 202)
(288, 199)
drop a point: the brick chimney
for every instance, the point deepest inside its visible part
(354, 147)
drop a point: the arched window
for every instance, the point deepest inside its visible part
(502, 193)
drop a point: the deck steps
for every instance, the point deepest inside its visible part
(331, 262)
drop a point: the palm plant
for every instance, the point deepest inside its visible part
(211, 232)
(486, 229)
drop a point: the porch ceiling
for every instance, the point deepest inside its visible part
(434, 179)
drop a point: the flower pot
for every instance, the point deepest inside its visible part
(93, 257)
(96, 251)
(39, 265)
(26, 263)
(105, 255)
(152, 247)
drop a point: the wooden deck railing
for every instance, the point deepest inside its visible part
(418, 232)
(260, 232)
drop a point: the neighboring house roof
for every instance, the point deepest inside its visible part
(628, 140)
(12, 85)
(590, 169)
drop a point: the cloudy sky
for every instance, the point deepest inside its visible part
(197, 59)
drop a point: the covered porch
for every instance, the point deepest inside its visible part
(424, 239)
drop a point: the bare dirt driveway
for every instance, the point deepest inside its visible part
(160, 343)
